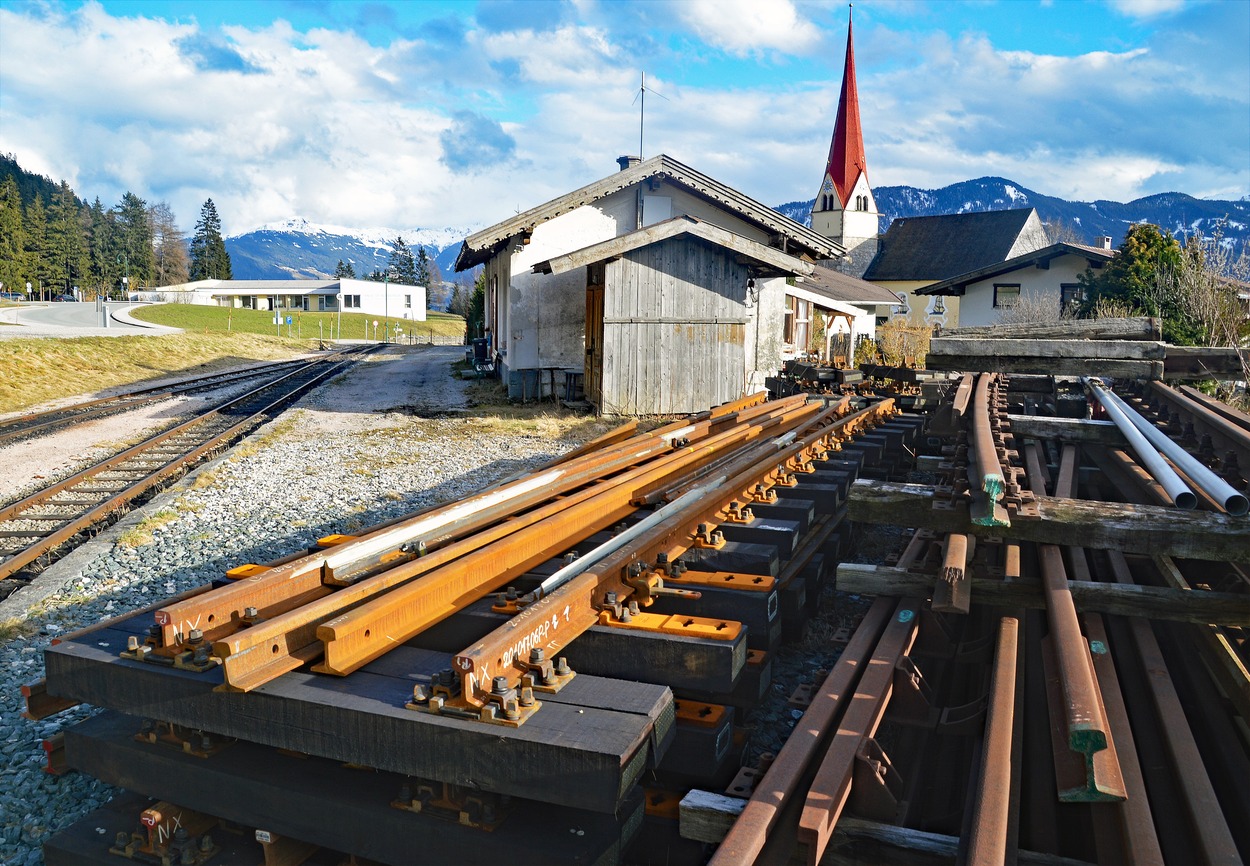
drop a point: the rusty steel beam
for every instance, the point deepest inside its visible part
(548, 624)
(1085, 730)
(991, 822)
(746, 838)
(831, 785)
(369, 631)
(1197, 796)
(952, 591)
(481, 562)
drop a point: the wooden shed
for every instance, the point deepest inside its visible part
(658, 287)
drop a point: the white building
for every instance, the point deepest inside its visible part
(392, 300)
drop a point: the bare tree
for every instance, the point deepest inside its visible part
(1062, 231)
(1034, 308)
(172, 266)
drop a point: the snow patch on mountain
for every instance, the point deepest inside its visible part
(376, 237)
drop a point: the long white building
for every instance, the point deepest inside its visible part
(394, 300)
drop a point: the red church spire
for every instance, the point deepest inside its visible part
(846, 152)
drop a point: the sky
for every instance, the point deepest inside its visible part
(442, 114)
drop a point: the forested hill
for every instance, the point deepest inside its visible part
(28, 183)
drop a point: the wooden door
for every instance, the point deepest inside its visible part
(592, 382)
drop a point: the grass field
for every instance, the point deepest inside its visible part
(202, 319)
(36, 370)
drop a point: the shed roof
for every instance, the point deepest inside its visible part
(941, 247)
(770, 261)
(480, 246)
(956, 285)
(838, 286)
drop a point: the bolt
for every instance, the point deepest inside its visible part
(405, 794)
(180, 835)
(527, 697)
(536, 655)
(132, 643)
(609, 598)
(250, 613)
(511, 711)
(499, 685)
(446, 677)
(420, 694)
(633, 606)
(195, 636)
(562, 666)
(121, 840)
(626, 615)
(154, 631)
(661, 558)
(206, 843)
(512, 593)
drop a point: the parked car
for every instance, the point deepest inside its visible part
(11, 296)
(65, 298)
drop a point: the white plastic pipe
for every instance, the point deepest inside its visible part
(1151, 459)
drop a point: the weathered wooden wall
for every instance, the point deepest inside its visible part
(675, 329)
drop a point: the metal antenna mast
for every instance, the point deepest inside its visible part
(642, 110)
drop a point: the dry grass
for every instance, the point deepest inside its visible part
(34, 371)
(144, 531)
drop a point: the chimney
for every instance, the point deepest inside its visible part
(1103, 242)
(627, 161)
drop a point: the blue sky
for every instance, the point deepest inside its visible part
(457, 114)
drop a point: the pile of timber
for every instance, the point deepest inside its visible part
(353, 696)
(1122, 348)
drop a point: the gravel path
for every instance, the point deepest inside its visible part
(354, 453)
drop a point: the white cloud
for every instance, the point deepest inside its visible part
(1146, 8)
(750, 27)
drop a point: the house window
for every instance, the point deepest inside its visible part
(351, 301)
(1006, 295)
(1070, 295)
(787, 333)
(408, 301)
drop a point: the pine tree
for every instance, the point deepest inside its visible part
(12, 238)
(1131, 283)
(170, 246)
(209, 258)
(400, 267)
(37, 272)
(344, 271)
(134, 241)
(103, 270)
(422, 275)
(66, 252)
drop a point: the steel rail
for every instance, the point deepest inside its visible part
(261, 652)
(579, 604)
(107, 508)
(270, 593)
(39, 423)
(1086, 728)
(987, 845)
(355, 638)
(759, 818)
(831, 786)
(985, 470)
(1233, 502)
(1198, 797)
(1239, 420)
(1178, 493)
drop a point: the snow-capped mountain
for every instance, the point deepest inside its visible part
(1181, 214)
(298, 249)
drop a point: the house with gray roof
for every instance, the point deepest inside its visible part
(657, 287)
(917, 252)
(1045, 278)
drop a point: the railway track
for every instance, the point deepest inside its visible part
(37, 424)
(39, 528)
(1053, 670)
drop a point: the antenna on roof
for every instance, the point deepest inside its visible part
(642, 110)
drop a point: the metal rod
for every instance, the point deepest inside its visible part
(988, 845)
(1147, 454)
(1235, 503)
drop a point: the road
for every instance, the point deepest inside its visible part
(72, 320)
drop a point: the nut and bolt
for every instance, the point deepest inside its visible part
(206, 843)
(121, 840)
(527, 697)
(511, 711)
(195, 636)
(420, 694)
(250, 613)
(609, 598)
(562, 666)
(536, 655)
(499, 685)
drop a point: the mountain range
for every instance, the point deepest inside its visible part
(298, 249)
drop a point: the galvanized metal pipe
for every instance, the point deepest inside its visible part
(1147, 454)
(1220, 490)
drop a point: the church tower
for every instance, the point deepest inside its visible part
(845, 210)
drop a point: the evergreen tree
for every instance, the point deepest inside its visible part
(401, 266)
(103, 270)
(37, 271)
(170, 246)
(12, 238)
(134, 241)
(66, 252)
(209, 258)
(475, 321)
(344, 271)
(1131, 282)
(422, 275)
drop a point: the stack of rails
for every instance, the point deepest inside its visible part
(488, 659)
(1055, 670)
